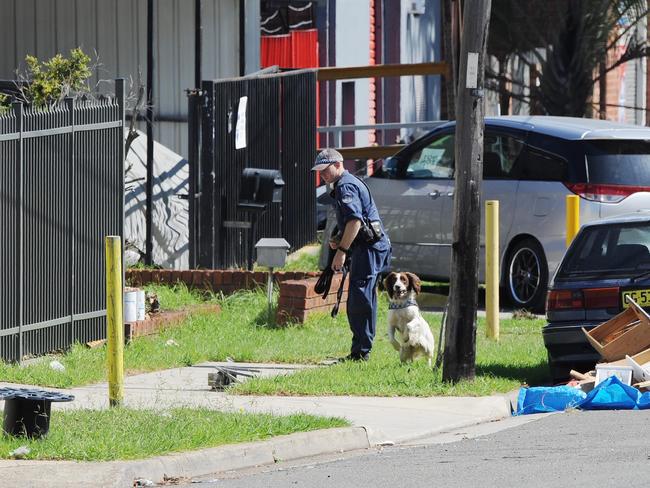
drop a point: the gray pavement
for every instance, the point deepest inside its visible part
(375, 421)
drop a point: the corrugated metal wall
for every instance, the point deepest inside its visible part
(116, 30)
(62, 193)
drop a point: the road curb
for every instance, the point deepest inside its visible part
(240, 456)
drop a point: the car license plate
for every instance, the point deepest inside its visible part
(641, 297)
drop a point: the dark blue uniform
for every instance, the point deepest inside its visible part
(353, 201)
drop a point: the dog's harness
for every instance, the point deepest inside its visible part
(408, 303)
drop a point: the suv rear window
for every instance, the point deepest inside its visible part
(618, 162)
(608, 251)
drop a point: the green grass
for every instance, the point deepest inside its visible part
(304, 261)
(241, 331)
(179, 296)
(518, 358)
(92, 435)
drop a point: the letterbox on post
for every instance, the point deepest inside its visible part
(271, 252)
(260, 187)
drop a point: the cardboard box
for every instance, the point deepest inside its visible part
(627, 333)
(604, 371)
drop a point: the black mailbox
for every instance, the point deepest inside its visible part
(259, 187)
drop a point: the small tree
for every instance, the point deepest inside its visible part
(49, 82)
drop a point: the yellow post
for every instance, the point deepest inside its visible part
(572, 217)
(114, 320)
(492, 268)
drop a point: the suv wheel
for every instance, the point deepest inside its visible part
(527, 276)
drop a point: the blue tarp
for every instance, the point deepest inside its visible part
(610, 394)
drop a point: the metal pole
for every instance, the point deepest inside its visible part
(69, 104)
(20, 295)
(150, 116)
(114, 321)
(242, 37)
(251, 240)
(120, 92)
(269, 291)
(198, 34)
(193, 127)
(492, 268)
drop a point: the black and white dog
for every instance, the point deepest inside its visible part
(414, 334)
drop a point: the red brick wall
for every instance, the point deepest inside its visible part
(297, 296)
(298, 299)
(217, 280)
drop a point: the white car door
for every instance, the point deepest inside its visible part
(411, 200)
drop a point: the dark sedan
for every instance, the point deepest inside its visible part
(608, 260)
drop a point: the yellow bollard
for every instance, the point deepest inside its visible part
(492, 268)
(114, 321)
(572, 217)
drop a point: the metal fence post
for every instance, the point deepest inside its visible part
(194, 98)
(207, 249)
(18, 112)
(69, 104)
(120, 96)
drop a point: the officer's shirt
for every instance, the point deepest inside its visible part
(352, 201)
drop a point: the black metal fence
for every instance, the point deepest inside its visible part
(61, 193)
(280, 133)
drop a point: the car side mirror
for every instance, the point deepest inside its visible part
(390, 166)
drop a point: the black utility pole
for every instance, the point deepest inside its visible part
(150, 115)
(459, 360)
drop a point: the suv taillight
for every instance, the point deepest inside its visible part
(604, 193)
(589, 298)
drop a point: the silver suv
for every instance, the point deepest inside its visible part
(530, 164)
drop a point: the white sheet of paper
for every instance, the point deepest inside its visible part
(472, 70)
(240, 129)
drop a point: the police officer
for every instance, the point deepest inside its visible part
(361, 241)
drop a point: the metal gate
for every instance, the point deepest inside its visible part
(279, 132)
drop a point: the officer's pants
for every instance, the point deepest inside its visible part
(365, 266)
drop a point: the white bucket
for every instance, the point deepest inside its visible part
(140, 304)
(130, 305)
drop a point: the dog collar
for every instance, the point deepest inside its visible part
(408, 303)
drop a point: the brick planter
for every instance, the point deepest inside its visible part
(297, 296)
(154, 322)
(216, 280)
(298, 299)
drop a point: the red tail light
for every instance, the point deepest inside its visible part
(602, 298)
(604, 193)
(583, 299)
(564, 300)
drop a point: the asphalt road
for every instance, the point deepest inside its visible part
(591, 449)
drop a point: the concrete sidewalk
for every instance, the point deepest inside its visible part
(375, 421)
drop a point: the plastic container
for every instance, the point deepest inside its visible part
(130, 305)
(140, 310)
(623, 373)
